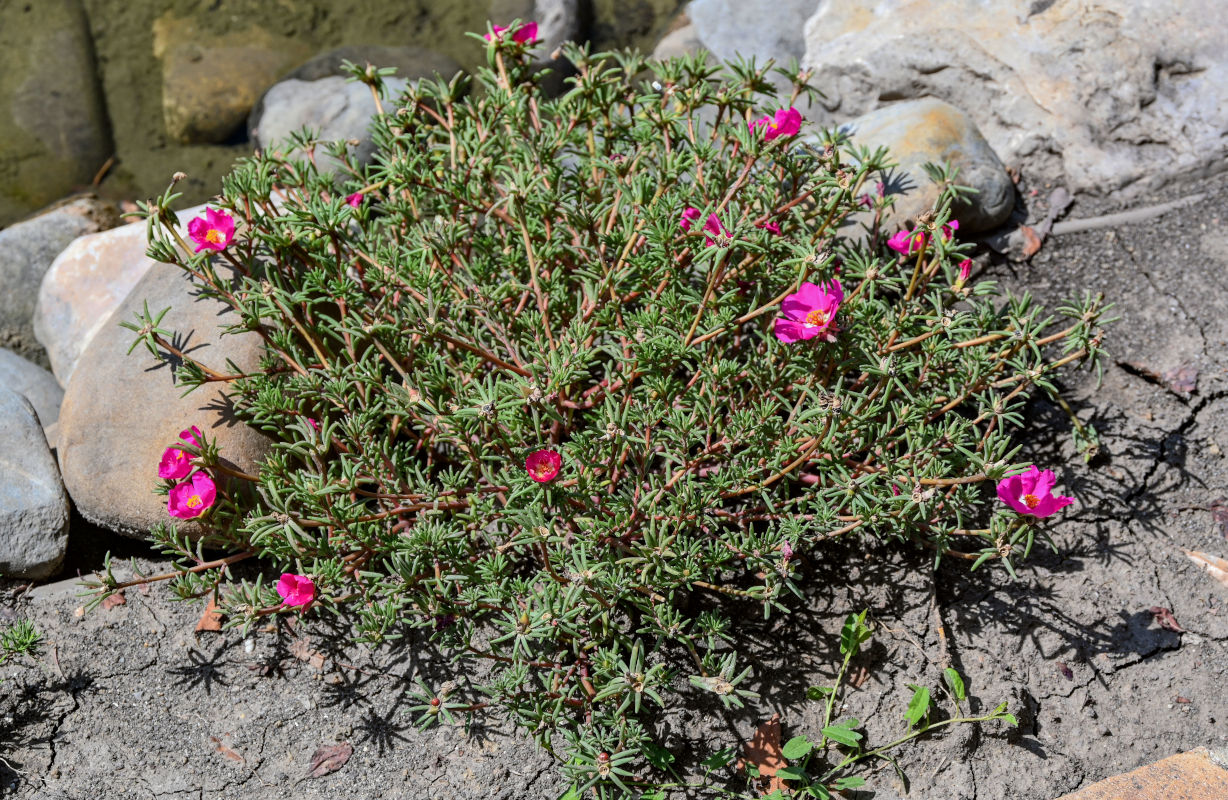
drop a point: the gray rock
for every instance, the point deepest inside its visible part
(54, 133)
(1104, 94)
(920, 131)
(760, 28)
(681, 41)
(27, 250)
(334, 108)
(120, 412)
(33, 506)
(33, 383)
(319, 96)
(84, 285)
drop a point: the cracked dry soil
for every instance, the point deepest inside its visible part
(131, 703)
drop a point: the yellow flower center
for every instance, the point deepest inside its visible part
(194, 501)
(214, 236)
(816, 318)
(1031, 500)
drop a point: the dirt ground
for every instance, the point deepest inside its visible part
(129, 700)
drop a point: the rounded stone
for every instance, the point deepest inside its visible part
(33, 383)
(33, 506)
(917, 132)
(121, 411)
(54, 133)
(27, 250)
(85, 283)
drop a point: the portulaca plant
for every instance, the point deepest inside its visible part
(566, 387)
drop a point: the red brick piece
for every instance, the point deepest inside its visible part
(1196, 775)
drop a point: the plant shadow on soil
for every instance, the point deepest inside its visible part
(1071, 643)
(789, 652)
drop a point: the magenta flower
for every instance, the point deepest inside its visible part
(543, 465)
(810, 312)
(191, 498)
(313, 423)
(949, 229)
(1031, 493)
(213, 231)
(354, 200)
(296, 590)
(191, 436)
(712, 227)
(773, 227)
(786, 122)
(905, 242)
(175, 464)
(965, 267)
(525, 34)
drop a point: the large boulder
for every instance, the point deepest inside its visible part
(1103, 94)
(120, 411)
(54, 134)
(33, 383)
(27, 250)
(211, 80)
(85, 284)
(764, 29)
(929, 130)
(33, 506)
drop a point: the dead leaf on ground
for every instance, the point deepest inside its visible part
(1164, 617)
(226, 751)
(1066, 671)
(1216, 567)
(1031, 241)
(764, 753)
(301, 649)
(329, 758)
(1181, 380)
(211, 620)
(117, 599)
(858, 677)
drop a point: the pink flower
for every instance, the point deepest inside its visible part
(175, 464)
(810, 312)
(949, 229)
(1031, 493)
(965, 267)
(190, 498)
(712, 227)
(191, 436)
(543, 465)
(213, 231)
(312, 422)
(774, 227)
(354, 200)
(525, 34)
(295, 590)
(906, 242)
(786, 552)
(786, 122)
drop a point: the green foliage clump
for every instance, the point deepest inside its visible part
(513, 278)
